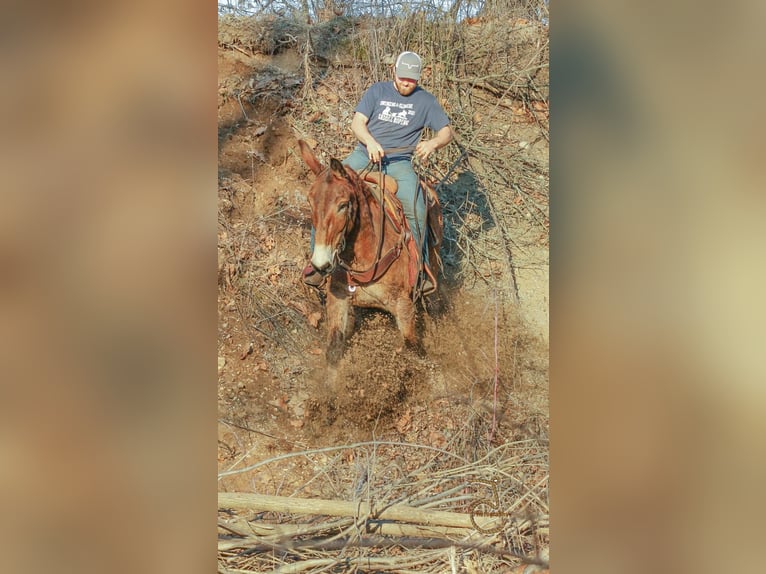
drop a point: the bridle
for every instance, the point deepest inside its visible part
(381, 262)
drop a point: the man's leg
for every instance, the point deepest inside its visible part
(414, 205)
(357, 160)
(413, 202)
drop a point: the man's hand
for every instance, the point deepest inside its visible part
(426, 148)
(375, 151)
(359, 128)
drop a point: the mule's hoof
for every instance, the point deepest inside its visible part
(417, 348)
(334, 355)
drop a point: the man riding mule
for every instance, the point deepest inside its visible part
(363, 245)
(388, 122)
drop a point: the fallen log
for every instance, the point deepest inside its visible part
(359, 510)
(282, 532)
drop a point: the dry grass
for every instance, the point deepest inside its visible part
(511, 480)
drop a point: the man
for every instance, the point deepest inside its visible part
(388, 122)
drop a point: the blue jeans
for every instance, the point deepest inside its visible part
(413, 203)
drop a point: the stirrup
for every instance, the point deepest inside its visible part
(429, 284)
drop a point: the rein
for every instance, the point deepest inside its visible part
(381, 263)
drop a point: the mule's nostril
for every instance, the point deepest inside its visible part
(322, 258)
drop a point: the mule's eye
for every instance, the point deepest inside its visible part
(342, 206)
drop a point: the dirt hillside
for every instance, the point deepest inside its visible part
(480, 391)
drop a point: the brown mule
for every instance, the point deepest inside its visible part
(364, 250)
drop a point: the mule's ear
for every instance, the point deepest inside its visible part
(338, 170)
(308, 156)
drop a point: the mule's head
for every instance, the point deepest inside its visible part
(334, 204)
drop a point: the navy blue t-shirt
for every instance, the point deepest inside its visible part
(396, 120)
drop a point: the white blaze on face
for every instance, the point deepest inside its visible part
(322, 256)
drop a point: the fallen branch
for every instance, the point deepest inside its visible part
(288, 505)
(367, 562)
(283, 532)
(260, 530)
(382, 542)
(377, 443)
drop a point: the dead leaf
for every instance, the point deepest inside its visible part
(280, 403)
(328, 94)
(247, 352)
(404, 423)
(313, 319)
(301, 307)
(274, 272)
(437, 439)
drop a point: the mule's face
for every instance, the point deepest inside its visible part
(333, 207)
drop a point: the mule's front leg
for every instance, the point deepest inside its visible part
(405, 320)
(338, 311)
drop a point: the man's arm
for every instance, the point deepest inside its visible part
(359, 127)
(427, 147)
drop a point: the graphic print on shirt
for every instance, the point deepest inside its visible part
(400, 115)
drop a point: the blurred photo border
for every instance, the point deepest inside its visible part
(109, 167)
